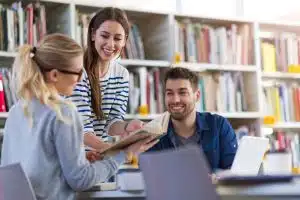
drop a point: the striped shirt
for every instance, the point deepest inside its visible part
(114, 91)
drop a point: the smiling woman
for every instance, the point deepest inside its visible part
(102, 95)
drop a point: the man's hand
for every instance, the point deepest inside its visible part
(214, 178)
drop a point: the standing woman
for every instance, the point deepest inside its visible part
(102, 94)
(43, 131)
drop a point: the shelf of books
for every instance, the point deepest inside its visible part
(225, 54)
(280, 59)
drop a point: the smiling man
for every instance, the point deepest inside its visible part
(211, 132)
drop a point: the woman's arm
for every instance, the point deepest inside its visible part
(93, 141)
(81, 97)
(116, 124)
(79, 173)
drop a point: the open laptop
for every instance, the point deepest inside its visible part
(249, 156)
(177, 175)
(14, 183)
(247, 162)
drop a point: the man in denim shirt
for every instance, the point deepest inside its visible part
(213, 133)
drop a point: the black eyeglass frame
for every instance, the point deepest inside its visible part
(79, 74)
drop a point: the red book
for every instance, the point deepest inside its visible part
(2, 98)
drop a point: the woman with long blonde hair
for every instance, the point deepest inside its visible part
(43, 131)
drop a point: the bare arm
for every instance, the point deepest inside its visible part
(93, 141)
(123, 128)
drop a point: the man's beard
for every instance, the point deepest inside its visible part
(180, 116)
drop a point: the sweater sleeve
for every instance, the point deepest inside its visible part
(79, 173)
(119, 106)
(81, 97)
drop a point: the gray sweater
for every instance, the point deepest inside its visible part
(52, 152)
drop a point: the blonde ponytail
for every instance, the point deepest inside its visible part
(27, 75)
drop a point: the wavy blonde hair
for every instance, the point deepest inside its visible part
(55, 51)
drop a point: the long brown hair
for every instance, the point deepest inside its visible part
(91, 56)
(55, 51)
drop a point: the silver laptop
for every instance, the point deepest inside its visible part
(14, 184)
(181, 174)
(249, 156)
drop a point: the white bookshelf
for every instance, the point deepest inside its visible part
(148, 63)
(3, 115)
(240, 115)
(281, 75)
(295, 126)
(4, 54)
(270, 30)
(157, 28)
(199, 67)
(141, 117)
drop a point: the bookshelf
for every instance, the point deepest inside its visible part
(225, 47)
(280, 75)
(295, 126)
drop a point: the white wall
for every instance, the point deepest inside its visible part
(213, 8)
(145, 5)
(251, 9)
(271, 9)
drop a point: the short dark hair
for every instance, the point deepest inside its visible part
(182, 73)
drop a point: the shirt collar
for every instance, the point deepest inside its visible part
(201, 125)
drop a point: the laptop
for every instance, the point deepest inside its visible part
(14, 183)
(177, 175)
(247, 162)
(249, 156)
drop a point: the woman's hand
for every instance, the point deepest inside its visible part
(93, 156)
(131, 126)
(134, 125)
(123, 128)
(141, 146)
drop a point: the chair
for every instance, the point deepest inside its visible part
(177, 175)
(14, 184)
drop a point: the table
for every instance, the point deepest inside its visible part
(282, 191)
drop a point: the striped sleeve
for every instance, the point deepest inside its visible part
(119, 105)
(82, 98)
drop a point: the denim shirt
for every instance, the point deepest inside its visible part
(217, 139)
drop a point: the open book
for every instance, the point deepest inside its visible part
(157, 127)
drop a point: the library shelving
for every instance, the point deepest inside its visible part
(285, 126)
(280, 75)
(280, 59)
(227, 53)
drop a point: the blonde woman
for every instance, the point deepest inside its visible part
(43, 131)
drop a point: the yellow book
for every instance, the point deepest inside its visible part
(277, 104)
(268, 57)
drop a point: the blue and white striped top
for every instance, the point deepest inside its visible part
(114, 90)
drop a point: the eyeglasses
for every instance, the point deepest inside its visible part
(79, 74)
